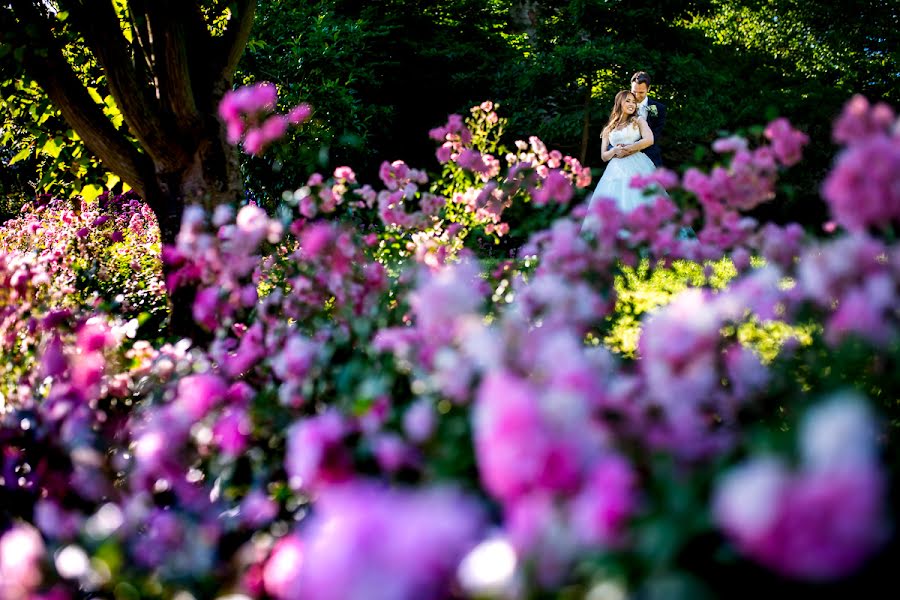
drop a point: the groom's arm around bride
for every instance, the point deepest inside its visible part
(652, 110)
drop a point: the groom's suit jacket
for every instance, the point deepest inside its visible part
(656, 126)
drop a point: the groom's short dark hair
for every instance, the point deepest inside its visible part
(641, 77)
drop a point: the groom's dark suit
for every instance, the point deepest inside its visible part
(656, 124)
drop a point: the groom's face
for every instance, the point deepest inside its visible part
(639, 90)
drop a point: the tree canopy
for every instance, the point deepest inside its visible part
(159, 67)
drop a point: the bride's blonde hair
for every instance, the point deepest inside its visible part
(618, 116)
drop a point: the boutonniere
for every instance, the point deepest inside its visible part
(652, 111)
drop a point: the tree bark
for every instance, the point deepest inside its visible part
(586, 121)
(167, 82)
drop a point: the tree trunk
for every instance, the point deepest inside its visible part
(167, 78)
(212, 178)
(586, 121)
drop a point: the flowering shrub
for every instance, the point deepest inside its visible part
(422, 429)
(64, 258)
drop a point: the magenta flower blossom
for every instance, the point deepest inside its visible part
(823, 521)
(22, 551)
(601, 511)
(368, 542)
(232, 431)
(198, 394)
(281, 574)
(246, 112)
(859, 121)
(519, 448)
(862, 190)
(316, 455)
(787, 142)
(556, 188)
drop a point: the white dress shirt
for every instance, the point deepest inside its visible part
(642, 108)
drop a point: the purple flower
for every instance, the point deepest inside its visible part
(419, 420)
(861, 190)
(257, 509)
(295, 359)
(198, 394)
(823, 521)
(21, 553)
(368, 542)
(315, 454)
(53, 358)
(601, 511)
(232, 431)
(206, 308)
(519, 449)
(787, 142)
(281, 574)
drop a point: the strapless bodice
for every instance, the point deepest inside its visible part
(627, 135)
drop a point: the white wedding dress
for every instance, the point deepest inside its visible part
(616, 180)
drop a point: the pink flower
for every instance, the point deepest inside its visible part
(860, 121)
(315, 238)
(556, 187)
(232, 431)
(518, 450)
(281, 574)
(861, 190)
(729, 144)
(787, 142)
(21, 552)
(316, 455)
(364, 541)
(198, 394)
(345, 173)
(299, 114)
(601, 511)
(823, 521)
(274, 127)
(254, 141)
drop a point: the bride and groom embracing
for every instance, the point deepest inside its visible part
(630, 144)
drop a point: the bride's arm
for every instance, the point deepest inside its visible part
(608, 153)
(646, 137)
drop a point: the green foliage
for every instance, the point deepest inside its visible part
(641, 290)
(377, 74)
(47, 156)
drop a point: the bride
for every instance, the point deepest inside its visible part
(624, 136)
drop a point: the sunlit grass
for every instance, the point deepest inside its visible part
(642, 290)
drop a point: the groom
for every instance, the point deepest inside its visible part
(653, 111)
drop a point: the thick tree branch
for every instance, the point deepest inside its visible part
(179, 32)
(102, 31)
(235, 38)
(46, 63)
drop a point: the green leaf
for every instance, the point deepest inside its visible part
(22, 155)
(95, 95)
(111, 180)
(91, 191)
(52, 147)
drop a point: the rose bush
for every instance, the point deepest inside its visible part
(361, 424)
